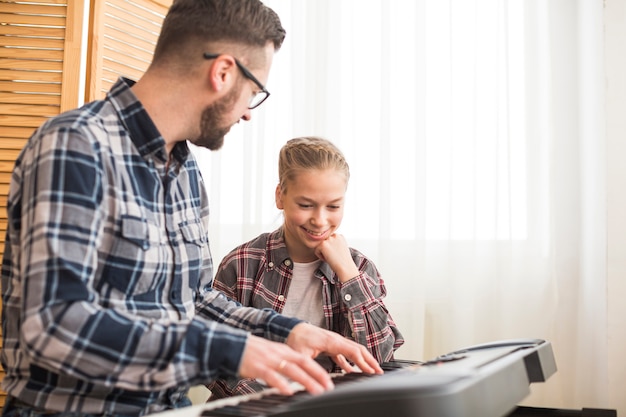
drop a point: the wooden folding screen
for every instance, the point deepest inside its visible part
(41, 44)
(122, 39)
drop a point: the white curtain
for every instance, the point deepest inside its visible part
(474, 130)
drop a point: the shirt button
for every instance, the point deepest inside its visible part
(288, 262)
(271, 264)
(347, 297)
(281, 298)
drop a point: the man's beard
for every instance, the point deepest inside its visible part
(212, 130)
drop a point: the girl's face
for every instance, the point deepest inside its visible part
(312, 208)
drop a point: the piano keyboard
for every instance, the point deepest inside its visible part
(480, 381)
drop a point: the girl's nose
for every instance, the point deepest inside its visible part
(319, 218)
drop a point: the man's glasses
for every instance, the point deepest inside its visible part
(260, 96)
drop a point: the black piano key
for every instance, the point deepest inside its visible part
(398, 364)
(354, 376)
(267, 404)
(228, 411)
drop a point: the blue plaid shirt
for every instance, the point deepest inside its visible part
(106, 275)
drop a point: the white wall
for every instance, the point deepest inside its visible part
(615, 31)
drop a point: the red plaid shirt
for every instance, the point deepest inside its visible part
(258, 274)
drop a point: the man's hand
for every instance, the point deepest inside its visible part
(276, 363)
(313, 341)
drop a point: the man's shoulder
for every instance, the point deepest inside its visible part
(92, 116)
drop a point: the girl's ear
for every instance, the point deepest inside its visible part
(279, 197)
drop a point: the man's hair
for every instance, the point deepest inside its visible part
(190, 25)
(309, 153)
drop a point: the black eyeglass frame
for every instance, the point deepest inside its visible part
(246, 72)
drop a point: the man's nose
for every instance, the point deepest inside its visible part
(246, 116)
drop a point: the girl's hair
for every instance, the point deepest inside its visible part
(307, 153)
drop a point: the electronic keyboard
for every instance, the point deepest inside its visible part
(486, 380)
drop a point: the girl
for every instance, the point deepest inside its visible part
(305, 269)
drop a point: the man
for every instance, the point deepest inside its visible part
(106, 279)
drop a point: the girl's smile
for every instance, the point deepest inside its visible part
(312, 205)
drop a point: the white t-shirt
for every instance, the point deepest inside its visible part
(304, 299)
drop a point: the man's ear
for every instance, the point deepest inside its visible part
(222, 72)
(279, 197)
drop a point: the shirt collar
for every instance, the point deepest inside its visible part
(141, 129)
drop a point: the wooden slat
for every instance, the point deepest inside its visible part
(18, 32)
(138, 61)
(140, 46)
(125, 26)
(94, 51)
(70, 88)
(30, 87)
(32, 20)
(106, 86)
(31, 54)
(110, 77)
(7, 165)
(118, 13)
(31, 64)
(20, 121)
(34, 9)
(117, 39)
(41, 76)
(14, 144)
(136, 14)
(18, 132)
(29, 110)
(59, 2)
(32, 43)
(124, 67)
(5, 177)
(38, 99)
(9, 155)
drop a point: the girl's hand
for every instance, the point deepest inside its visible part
(336, 253)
